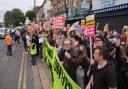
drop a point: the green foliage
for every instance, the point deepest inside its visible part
(14, 17)
(30, 14)
(8, 18)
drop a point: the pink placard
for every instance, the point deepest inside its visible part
(90, 32)
(58, 21)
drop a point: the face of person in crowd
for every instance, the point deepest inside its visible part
(67, 44)
(82, 49)
(61, 43)
(110, 33)
(98, 42)
(97, 55)
(68, 26)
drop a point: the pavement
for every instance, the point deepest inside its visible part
(16, 72)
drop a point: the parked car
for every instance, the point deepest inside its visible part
(2, 32)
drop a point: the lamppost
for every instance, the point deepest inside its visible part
(35, 10)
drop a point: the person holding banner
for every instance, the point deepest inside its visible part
(104, 74)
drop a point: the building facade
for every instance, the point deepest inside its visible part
(111, 12)
(58, 6)
(73, 9)
(61, 6)
(45, 10)
(39, 14)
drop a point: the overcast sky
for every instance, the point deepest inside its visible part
(21, 4)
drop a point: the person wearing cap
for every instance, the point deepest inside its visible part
(8, 41)
(99, 41)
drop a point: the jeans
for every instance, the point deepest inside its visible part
(80, 77)
(33, 59)
(9, 50)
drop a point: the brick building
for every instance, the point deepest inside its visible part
(60, 6)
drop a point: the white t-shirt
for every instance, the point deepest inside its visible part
(28, 40)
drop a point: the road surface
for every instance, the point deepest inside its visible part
(16, 72)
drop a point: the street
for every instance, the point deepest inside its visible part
(16, 71)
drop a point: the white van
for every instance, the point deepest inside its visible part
(2, 32)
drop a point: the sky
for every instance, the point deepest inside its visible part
(24, 5)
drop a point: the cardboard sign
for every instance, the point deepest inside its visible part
(58, 21)
(90, 30)
(78, 29)
(90, 26)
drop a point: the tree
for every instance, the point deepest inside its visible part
(17, 17)
(30, 14)
(8, 18)
(14, 17)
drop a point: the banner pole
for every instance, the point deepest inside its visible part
(91, 47)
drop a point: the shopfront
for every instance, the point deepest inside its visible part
(115, 14)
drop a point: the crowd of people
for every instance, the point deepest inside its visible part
(33, 43)
(108, 69)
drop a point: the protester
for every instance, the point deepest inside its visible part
(41, 41)
(59, 45)
(36, 41)
(83, 66)
(75, 54)
(18, 36)
(28, 39)
(9, 43)
(110, 35)
(61, 51)
(70, 59)
(123, 37)
(24, 41)
(99, 41)
(104, 75)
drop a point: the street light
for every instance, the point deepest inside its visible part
(35, 9)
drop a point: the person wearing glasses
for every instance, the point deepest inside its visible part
(70, 61)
